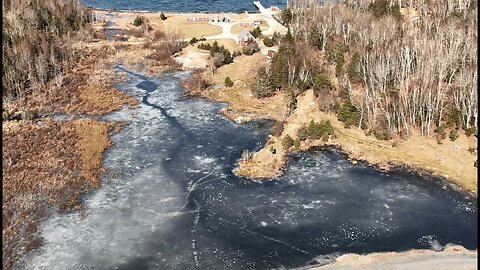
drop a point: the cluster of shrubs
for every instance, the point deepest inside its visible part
(256, 32)
(228, 82)
(348, 114)
(316, 131)
(268, 42)
(441, 133)
(453, 122)
(221, 55)
(250, 48)
(144, 25)
(195, 40)
(382, 134)
(274, 40)
(139, 20)
(197, 82)
(288, 142)
(382, 8)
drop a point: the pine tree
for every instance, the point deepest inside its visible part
(278, 72)
(287, 45)
(261, 86)
(314, 37)
(322, 85)
(287, 16)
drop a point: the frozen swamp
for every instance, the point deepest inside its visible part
(170, 200)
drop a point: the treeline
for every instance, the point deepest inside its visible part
(34, 37)
(392, 72)
(291, 70)
(417, 70)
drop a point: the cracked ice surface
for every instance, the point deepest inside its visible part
(170, 200)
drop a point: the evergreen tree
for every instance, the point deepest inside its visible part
(287, 142)
(215, 48)
(348, 114)
(139, 20)
(314, 37)
(353, 69)
(286, 16)
(228, 56)
(268, 42)
(287, 45)
(322, 85)
(278, 71)
(256, 32)
(261, 86)
(228, 82)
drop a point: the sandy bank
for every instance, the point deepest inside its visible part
(452, 258)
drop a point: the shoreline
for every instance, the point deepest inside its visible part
(423, 258)
(173, 12)
(380, 154)
(353, 157)
(279, 161)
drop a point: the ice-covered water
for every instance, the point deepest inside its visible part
(169, 199)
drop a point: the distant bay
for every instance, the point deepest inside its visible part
(183, 5)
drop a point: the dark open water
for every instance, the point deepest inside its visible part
(171, 201)
(183, 5)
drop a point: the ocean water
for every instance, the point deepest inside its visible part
(183, 5)
(169, 199)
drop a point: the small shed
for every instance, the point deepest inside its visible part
(271, 53)
(244, 37)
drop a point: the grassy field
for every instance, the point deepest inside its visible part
(173, 23)
(188, 29)
(241, 69)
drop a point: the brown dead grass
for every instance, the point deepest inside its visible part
(86, 89)
(178, 23)
(229, 44)
(50, 164)
(241, 69)
(241, 104)
(419, 259)
(240, 99)
(41, 169)
(236, 29)
(93, 139)
(99, 100)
